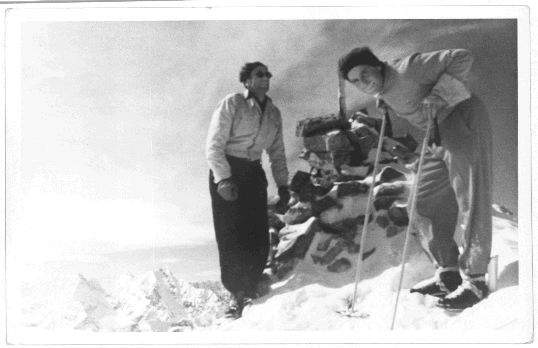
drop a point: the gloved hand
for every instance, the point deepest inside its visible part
(227, 189)
(284, 195)
(428, 109)
(373, 122)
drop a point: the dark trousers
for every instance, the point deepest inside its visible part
(241, 226)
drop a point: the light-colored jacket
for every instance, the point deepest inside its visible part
(411, 79)
(239, 128)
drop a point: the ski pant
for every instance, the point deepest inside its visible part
(241, 226)
(455, 189)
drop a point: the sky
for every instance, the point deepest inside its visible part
(114, 115)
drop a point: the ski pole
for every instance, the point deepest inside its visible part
(412, 211)
(342, 97)
(368, 208)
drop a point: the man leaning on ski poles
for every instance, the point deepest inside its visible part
(455, 185)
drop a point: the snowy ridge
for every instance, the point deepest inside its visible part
(308, 298)
(156, 301)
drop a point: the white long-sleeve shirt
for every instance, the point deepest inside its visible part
(239, 128)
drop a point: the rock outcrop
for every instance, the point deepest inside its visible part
(331, 199)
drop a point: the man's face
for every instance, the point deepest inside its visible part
(366, 78)
(259, 79)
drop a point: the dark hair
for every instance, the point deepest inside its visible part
(244, 74)
(357, 56)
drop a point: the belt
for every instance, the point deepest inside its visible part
(243, 160)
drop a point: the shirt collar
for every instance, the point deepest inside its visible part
(250, 96)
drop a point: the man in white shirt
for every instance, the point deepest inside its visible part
(242, 126)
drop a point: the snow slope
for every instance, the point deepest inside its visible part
(309, 299)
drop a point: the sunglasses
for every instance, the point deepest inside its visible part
(261, 74)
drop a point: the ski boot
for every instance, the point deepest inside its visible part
(235, 309)
(445, 280)
(470, 292)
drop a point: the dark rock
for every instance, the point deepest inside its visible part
(302, 186)
(352, 247)
(351, 188)
(367, 143)
(402, 153)
(323, 204)
(360, 219)
(339, 266)
(398, 215)
(388, 160)
(323, 177)
(362, 139)
(294, 240)
(324, 244)
(340, 157)
(335, 140)
(358, 154)
(343, 177)
(384, 202)
(332, 253)
(408, 141)
(346, 228)
(322, 191)
(367, 254)
(316, 258)
(351, 224)
(298, 214)
(382, 221)
(299, 180)
(389, 174)
(356, 157)
(319, 125)
(393, 230)
(349, 235)
(332, 228)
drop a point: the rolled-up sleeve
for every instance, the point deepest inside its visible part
(277, 157)
(217, 137)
